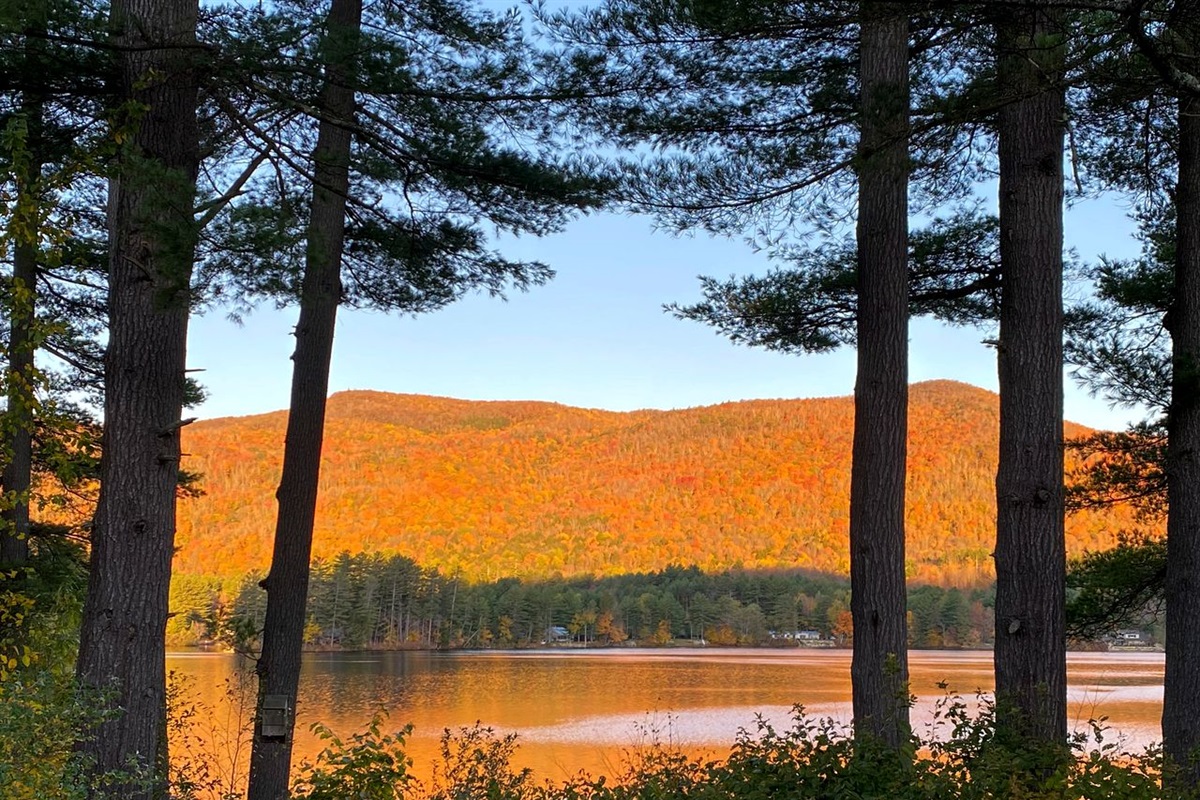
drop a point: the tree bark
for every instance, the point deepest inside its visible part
(1030, 652)
(1181, 686)
(14, 537)
(287, 582)
(151, 249)
(879, 670)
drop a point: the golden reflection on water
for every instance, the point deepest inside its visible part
(581, 710)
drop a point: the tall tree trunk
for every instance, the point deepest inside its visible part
(151, 249)
(287, 582)
(14, 537)
(1181, 687)
(879, 671)
(15, 480)
(1030, 653)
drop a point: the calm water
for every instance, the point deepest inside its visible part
(581, 709)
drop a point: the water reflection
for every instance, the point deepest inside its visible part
(580, 709)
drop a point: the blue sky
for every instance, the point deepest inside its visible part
(597, 336)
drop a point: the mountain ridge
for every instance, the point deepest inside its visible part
(489, 489)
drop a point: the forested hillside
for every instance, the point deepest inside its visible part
(493, 489)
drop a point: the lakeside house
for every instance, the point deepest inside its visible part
(556, 634)
(801, 637)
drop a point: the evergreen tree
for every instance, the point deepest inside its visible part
(1152, 117)
(1117, 588)
(757, 150)
(16, 478)
(278, 665)
(409, 154)
(1117, 343)
(1119, 348)
(1030, 654)
(152, 247)
(1174, 59)
(1181, 733)
(51, 149)
(879, 671)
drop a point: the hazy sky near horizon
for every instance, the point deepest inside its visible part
(597, 336)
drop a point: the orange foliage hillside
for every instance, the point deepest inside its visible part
(493, 489)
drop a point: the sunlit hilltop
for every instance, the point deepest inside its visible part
(494, 489)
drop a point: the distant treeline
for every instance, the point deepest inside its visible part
(389, 601)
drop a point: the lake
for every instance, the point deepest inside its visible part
(581, 709)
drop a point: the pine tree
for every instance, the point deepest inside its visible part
(1030, 654)
(879, 670)
(278, 665)
(759, 150)
(1174, 60)
(17, 474)
(1150, 146)
(50, 154)
(405, 111)
(152, 246)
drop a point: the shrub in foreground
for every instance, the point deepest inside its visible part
(962, 759)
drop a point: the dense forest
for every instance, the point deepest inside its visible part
(482, 490)
(366, 601)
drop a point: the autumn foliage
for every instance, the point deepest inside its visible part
(490, 489)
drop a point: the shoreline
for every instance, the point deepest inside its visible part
(636, 647)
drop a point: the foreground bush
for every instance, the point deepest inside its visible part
(41, 711)
(811, 759)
